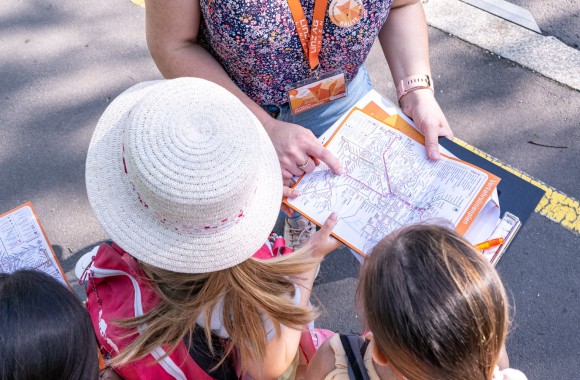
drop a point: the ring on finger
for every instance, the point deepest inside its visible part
(302, 167)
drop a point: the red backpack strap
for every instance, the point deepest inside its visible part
(311, 340)
(117, 291)
(274, 247)
(279, 245)
(128, 259)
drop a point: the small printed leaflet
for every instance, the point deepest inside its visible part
(23, 244)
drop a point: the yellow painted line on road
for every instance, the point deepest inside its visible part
(555, 205)
(140, 3)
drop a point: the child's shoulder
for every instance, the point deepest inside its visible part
(332, 360)
(324, 361)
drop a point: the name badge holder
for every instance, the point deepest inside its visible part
(319, 90)
(314, 92)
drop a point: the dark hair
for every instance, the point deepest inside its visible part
(45, 332)
(436, 307)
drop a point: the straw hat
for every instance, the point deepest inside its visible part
(183, 176)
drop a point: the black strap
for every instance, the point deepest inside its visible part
(202, 356)
(351, 358)
(363, 348)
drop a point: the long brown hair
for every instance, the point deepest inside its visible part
(250, 290)
(436, 307)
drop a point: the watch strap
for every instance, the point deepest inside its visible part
(412, 83)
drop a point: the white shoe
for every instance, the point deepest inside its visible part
(296, 237)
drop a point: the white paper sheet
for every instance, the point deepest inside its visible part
(365, 224)
(24, 246)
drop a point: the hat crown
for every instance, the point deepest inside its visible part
(194, 170)
(183, 176)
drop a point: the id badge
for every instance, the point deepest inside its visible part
(315, 92)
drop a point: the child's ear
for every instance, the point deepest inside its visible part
(378, 356)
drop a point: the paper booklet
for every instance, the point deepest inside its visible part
(389, 182)
(23, 244)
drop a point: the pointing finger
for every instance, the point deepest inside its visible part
(329, 159)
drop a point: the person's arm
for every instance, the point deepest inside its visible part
(281, 351)
(172, 28)
(322, 363)
(404, 40)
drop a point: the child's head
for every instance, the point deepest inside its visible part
(45, 332)
(184, 178)
(436, 307)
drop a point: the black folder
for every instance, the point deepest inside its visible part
(516, 195)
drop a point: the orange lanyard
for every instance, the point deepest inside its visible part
(310, 38)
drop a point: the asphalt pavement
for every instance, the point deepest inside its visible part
(61, 63)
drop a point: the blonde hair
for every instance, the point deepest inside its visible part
(436, 307)
(250, 291)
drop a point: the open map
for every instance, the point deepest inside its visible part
(388, 182)
(23, 244)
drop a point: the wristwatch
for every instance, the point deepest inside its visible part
(412, 83)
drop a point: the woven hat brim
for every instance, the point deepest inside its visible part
(136, 230)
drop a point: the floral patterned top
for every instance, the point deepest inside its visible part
(257, 44)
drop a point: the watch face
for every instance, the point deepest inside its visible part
(345, 13)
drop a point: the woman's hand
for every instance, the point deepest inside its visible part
(421, 106)
(321, 243)
(299, 152)
(298, 149)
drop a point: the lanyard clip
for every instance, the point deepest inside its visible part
(315, 71)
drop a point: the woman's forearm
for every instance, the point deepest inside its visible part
(196, 61)
(172, 41)
(404, 41)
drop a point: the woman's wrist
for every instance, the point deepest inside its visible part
(411, 99)
(414, 83)
(267, 121)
